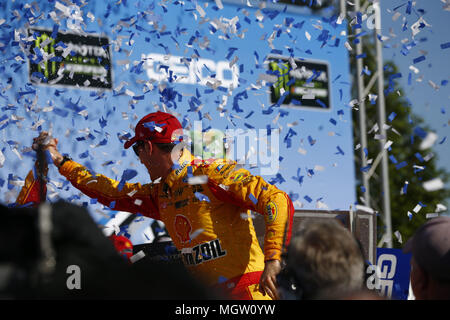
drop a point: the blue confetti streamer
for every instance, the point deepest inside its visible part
(401, 165)
(445, 45)
(253, 199)
(392, 116)
(340, 151)
(201, 197)
(419, 59)
(127, 174)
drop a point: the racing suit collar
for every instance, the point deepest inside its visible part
(180, 170)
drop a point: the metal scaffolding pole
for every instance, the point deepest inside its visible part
(381, 124)
(362, 113)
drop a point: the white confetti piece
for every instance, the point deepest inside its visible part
(433, 85)
(186, 250)
(414, 69)
(91, 16)
(388, 144)
(197, 180)
(417, 208)
(195, 234)
(432, 215)
(321, 205)
(429, 141)
(267, 77)
(245, 215)
(138, 256)
(433, 185)
(65, 10)
(200, 10)
(307, 35)
(138, 202)
(219, 4)
(348, 46)
(2, 159)
(396, 16)
(440, 207)
(17, 153)
(416, 27)
(398, 236)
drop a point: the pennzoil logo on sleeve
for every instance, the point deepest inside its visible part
(204, 252)
(271, 212)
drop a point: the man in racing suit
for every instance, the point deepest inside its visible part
(205, 206)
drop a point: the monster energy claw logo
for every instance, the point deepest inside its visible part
(299, 82)
(70, 59)
(283, 77)
(50, 46)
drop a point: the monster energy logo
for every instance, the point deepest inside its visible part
(283, 77)
(299, 82)
(70, 59)
(50, 43)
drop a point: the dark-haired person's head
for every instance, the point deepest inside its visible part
(430, 263)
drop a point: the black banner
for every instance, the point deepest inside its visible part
(299, 83)
(70, 59)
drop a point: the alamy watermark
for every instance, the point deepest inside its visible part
(257, 148)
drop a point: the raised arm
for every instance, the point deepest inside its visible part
(130, 197)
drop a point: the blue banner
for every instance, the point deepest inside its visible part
(394, 268)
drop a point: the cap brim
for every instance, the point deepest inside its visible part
(130, 142)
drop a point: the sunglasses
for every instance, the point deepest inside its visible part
(139, 144)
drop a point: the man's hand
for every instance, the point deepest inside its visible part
(49, 143)
(268, 280)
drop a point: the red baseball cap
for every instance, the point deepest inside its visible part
(158, 127)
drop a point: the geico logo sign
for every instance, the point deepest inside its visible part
(382, 275)
(190, 71)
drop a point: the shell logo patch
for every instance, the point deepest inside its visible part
(270, 212)
(182, 228)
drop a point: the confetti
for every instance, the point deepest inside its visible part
(428, 141)
(417, 208)
(137, 256)
(201, 197)
(445, 45)
(433, 185)
(398, 236)
(197, 180)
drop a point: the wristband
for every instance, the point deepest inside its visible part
(65, 158)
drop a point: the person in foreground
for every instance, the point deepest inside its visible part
(204, 205)
(323, 261)
(430, 262)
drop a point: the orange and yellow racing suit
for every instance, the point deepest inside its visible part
(209, 220)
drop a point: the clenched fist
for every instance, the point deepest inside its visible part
(48, 143)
